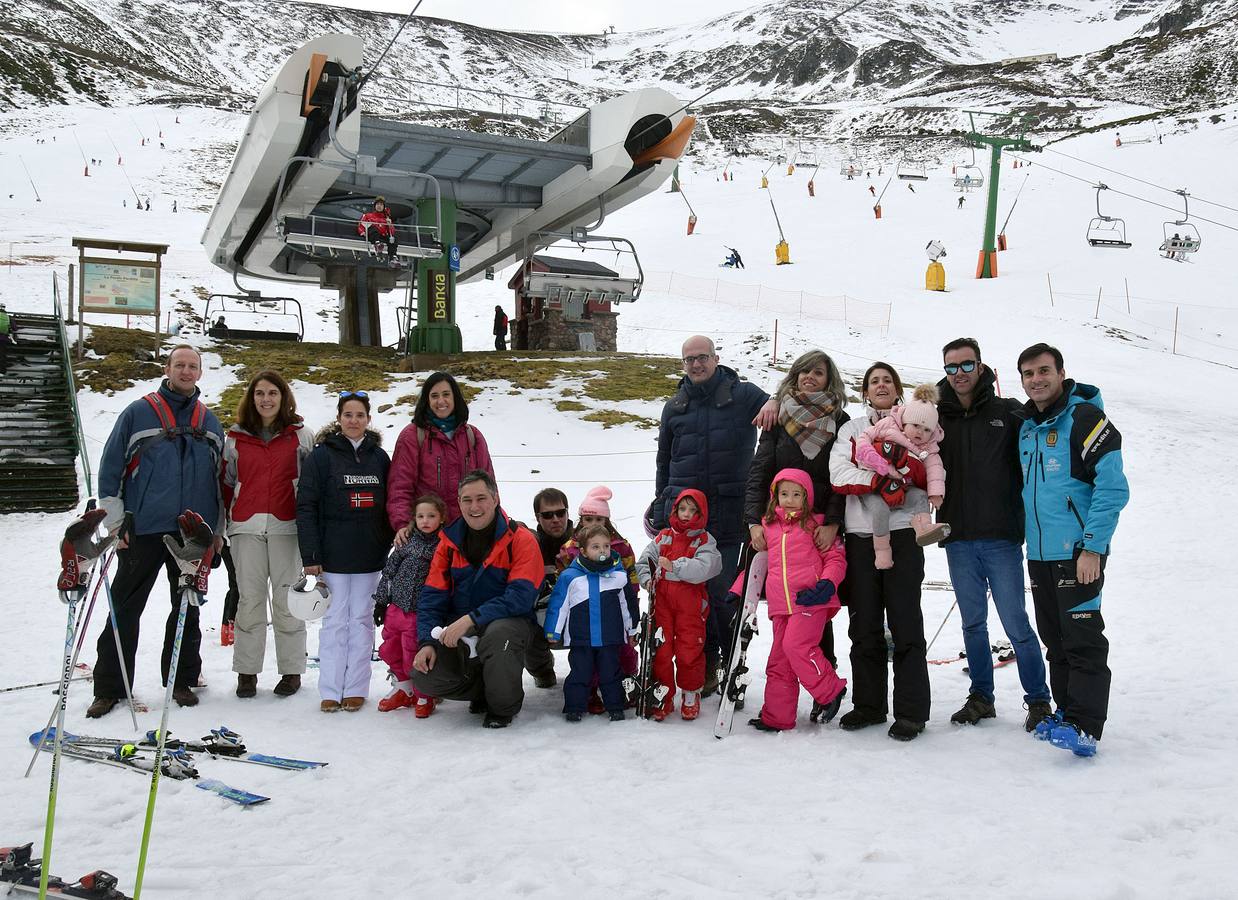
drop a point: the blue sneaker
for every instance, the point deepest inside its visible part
(1042, 729)
(1068, 736)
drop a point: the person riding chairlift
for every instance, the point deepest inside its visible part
(379, 230)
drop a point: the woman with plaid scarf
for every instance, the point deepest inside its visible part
(810, 404)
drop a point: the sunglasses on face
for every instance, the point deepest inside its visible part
(344, 395)
(553, 514)
(700, 359)
(968, 366)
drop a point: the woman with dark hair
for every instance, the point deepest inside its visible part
(433, 452)
(873, 595)
(810, 404)
(344, 537)
(262, 460)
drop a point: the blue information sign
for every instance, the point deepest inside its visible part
(453, 258)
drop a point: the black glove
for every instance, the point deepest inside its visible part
(818, 595)
(380, 612)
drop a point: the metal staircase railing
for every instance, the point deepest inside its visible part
(66, 360)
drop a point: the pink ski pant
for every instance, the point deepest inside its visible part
(399, 644)
(796, 659)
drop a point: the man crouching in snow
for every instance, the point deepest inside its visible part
(483, 581)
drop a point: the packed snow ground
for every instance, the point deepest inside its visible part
(642, 809)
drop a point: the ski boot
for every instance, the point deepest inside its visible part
(1070, 736)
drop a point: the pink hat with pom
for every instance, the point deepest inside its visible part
(922, 410)
(595, 503)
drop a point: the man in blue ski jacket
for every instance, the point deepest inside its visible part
(1073, 491)
(161, 458)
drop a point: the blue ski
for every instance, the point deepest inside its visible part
(236, 795)
(279, 762)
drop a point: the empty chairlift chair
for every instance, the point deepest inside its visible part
(911, 170)
(1106, 231)
(252, 317)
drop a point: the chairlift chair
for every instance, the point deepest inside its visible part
(911, 170)
(252, 317)
(1106, 231)
(968, 177)
(1181, 237)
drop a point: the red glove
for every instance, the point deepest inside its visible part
(892, 492)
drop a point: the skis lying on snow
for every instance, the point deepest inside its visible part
(734, 685)
(222, 743)
(19, 875)
(236, 795)
(1003, 655)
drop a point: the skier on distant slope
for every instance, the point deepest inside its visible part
(377, 228)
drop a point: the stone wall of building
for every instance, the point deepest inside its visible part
(554, 332)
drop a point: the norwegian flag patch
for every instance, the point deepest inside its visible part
(361, 500)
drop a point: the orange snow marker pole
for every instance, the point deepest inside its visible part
(954, 170)
(86, 171)
(691, 224)
(877, 210)
(812, 190)
(1001, 241)
(991, 267)
(774, 355)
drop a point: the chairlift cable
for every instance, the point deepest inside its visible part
(1093, 184)
(1134, 178)
(390, 44)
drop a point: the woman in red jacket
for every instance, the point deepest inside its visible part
(433, 453)
(262, 459)
(378, 229)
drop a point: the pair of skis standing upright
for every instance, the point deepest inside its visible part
(733, 676)
(81, 550)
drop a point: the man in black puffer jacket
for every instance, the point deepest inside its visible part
(984, 507)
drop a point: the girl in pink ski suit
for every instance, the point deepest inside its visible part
(801, 596)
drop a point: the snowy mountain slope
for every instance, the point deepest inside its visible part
(891, 66)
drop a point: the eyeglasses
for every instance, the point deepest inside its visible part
(346, 394)
(700, 359)
(553, 514)
(968, 366)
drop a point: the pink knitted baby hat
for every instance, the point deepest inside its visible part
(595, 503)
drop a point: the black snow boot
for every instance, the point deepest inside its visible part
(975, 709)
(494, 720)
(760, 725)
(825, 712)
(101, 707)
(860, 718)
(1037, 712)
(905, 729)
(545, 679)
(712, 663)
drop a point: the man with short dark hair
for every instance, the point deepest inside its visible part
(706, 441)
(554, 529)
(984, 508)
(162, 457)
(483, 581)
(1073, 491)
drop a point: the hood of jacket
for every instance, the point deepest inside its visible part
(332, 429)
(800, 477)
(697, 522)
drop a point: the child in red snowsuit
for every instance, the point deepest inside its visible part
(675, 567)
(801, 596)
(378, 229)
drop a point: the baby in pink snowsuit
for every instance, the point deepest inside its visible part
(912, 427)
(801, 596)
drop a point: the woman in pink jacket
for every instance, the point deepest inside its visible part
(801, 596)
(433, 453)
(884, 448)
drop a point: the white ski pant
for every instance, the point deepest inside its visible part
(346, 640)
(266, 565)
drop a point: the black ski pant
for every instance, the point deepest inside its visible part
(827, 643)
(138, 569)
(1071, 628)
(373, 236)
(721, 614)
(495, 675)
(233, 598)
(875, 597)
(500, 342)
(538, 658)
(587, 662)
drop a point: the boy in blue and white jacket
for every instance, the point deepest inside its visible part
(593, 611)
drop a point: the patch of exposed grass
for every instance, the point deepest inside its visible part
(617, 376)
(570, 406)
(609, 418)
(126, 357)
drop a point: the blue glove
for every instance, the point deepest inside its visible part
(818, 595)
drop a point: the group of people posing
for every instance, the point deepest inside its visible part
(469, 599)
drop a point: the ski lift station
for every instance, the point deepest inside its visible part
(310, 164)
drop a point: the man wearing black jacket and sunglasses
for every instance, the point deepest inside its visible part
(984, 507)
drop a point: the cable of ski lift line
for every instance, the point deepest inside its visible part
(390, 44)
(1162, 187)
(1094, 185)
